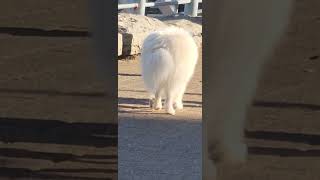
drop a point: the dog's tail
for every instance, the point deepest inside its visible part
(157, 64)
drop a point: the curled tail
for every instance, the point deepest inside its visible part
(157, 65)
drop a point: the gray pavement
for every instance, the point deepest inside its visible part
(159, 149)
(152, 144)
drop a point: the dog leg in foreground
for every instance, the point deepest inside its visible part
(241, 36)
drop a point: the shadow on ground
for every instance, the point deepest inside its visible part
(21, 31)
(55, 133)
(145, 102)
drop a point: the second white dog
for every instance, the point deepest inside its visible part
(168, 60)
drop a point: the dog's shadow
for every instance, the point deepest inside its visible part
(142, 106)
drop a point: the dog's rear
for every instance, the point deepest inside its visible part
(156, 62)
(168, 60)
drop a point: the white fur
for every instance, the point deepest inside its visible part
(241, 35)
(168, 60)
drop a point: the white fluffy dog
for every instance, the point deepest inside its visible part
(168, 60)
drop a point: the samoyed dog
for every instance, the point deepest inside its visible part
(168, 60)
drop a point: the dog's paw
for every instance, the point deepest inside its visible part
(178, 105)
(171, 111)
(157, 108)
(158, 105)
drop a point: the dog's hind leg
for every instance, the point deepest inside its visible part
(158, 101)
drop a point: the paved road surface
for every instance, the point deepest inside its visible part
(152, 144)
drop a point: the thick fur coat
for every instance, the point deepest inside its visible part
(168, 60)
